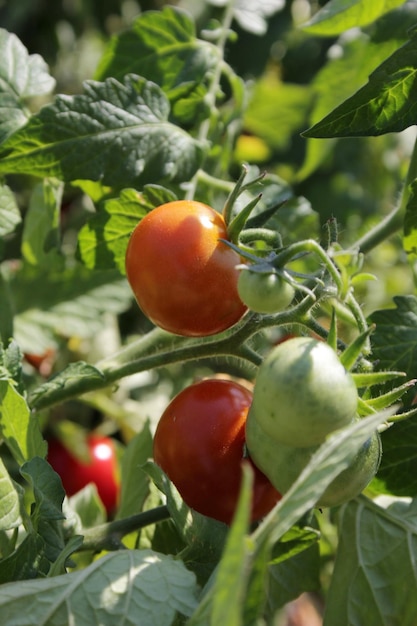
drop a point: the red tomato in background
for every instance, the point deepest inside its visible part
(199, 443)
(184, 279)
(75, 474)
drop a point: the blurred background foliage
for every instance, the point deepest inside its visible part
(287, 73)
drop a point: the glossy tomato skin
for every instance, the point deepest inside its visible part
(102, 470)
(200, 444)
(303, 393)
(184, 279)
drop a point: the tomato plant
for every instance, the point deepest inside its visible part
(200, 445)
(183, 277)
(303, 392)
(264, 293)
(101, 468)
(112, 111)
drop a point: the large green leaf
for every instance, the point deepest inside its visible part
(161, 46)
(21, 77)
(74, 302)
(387, 103)
(117, 133)
(375, 573)
(337, 16)
(131, 587)
(9, 211)
(394, 341)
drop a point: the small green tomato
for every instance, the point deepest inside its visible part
(264, 292)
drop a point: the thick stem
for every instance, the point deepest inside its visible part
(108, 536)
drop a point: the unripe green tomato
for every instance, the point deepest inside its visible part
(303, 393)
(264, 293)
(283, 464)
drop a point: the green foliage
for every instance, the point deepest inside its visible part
(106, 115)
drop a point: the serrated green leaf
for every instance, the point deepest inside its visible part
(19, 429)
(372, 543)
(130, 586)
(337, 16)
(9, 501)
(394, 340)
(161, 46)
(387, 103)
(21, 76)
(120, 129)
(337, 80)
(397, 473)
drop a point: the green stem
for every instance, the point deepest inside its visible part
(141, 355)
(109, 536)
(309, 245)
(395, 220)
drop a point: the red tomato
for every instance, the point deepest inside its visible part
(199, 443)
(75, 474)
(184, 279)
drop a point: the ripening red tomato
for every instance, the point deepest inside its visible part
(102, 470)
(200, 444)
(184, 279)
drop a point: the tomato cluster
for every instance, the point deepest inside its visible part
(200, 444)
(183, 276)
(302, 394)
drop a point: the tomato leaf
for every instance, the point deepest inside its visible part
(372, 542)
(73, 302)
(397, 474)
(120, 129)
(161, 46)
(21, 76)
(340, 15)
(9, 501)
(385, 104)
(102, 242)
(394, 340)
(19, 429)
(139, 586)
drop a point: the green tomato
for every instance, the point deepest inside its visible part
(263, 292)
(303, 393)
(283, 464)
